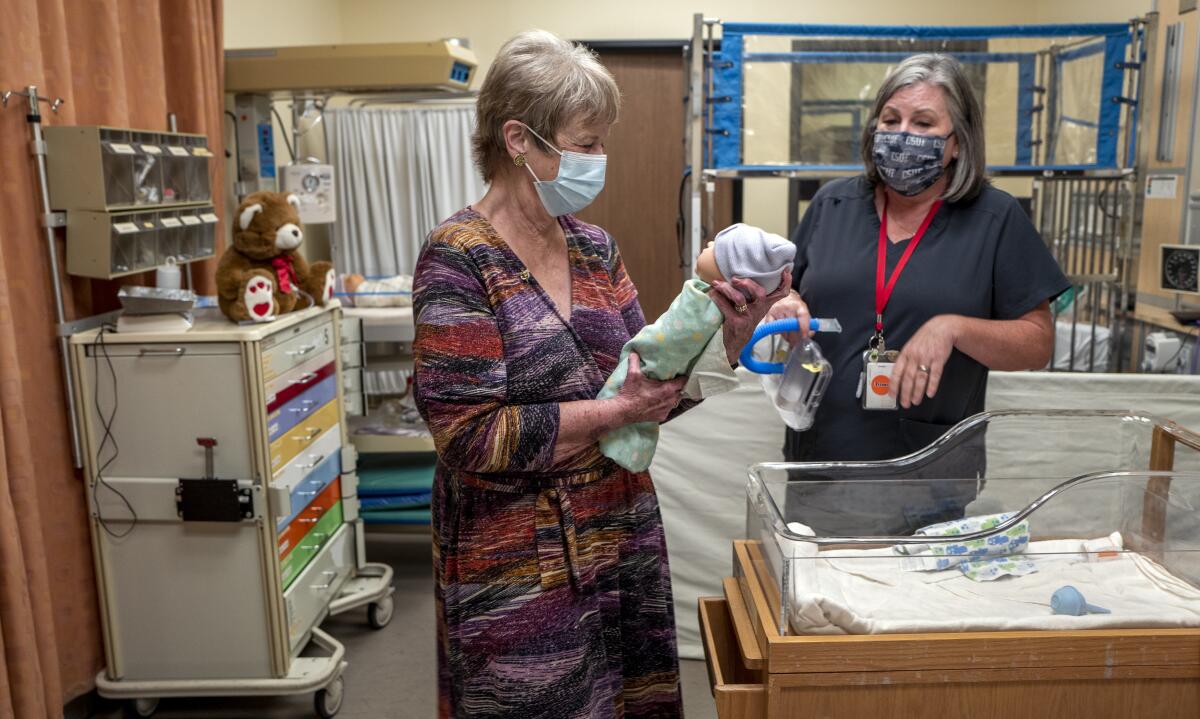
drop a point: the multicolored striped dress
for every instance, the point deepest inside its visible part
(553, 591)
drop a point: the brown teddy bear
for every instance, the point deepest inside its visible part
(261, 276)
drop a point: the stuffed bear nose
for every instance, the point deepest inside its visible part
(295, 233)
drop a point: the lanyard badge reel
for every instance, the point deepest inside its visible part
(878, 360)
(796, 379)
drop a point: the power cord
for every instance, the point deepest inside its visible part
(98, 348)
(284, 133)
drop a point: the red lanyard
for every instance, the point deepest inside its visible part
(883, 292)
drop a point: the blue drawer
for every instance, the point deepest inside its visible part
(303, 405)
(317, 480)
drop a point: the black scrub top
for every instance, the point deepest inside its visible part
(979, 258)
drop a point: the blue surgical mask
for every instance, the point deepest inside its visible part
(907, 162)
(580, 178)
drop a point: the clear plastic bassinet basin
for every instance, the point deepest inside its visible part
(1033, 516)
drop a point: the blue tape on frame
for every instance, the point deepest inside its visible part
(815, 57)
(964, 32)
(1111, 87)
(726, 138)
(1025, 82)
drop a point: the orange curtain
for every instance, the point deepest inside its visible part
(115, 62)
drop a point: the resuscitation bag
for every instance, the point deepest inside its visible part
(794, 378)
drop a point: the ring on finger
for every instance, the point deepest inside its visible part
(924, 369)
(741, 309)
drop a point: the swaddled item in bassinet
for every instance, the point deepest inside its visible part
(394, 291)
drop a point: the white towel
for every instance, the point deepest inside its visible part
(866, 592)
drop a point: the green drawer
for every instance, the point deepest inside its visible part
(310, 546)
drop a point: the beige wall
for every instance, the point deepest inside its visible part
(259, 23)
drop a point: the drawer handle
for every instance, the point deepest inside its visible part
(320, 535)
(302, 410)
(314, 463)
(312, 432)
(302, 351)
(162, 352)
(304, 378)
(308, 520)
(313, 493)
(332, 574)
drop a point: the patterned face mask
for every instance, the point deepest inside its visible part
(909, 163)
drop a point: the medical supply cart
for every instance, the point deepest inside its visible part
(224, 514)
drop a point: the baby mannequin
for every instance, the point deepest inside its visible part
(685, 340)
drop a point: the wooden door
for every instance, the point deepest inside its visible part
(640, 201)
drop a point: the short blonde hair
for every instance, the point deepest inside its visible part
(545, 82)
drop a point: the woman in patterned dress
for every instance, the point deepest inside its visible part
(552, 587)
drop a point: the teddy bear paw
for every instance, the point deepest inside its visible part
(260, 300)
(330, 282)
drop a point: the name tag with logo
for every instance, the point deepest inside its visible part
(876, 379)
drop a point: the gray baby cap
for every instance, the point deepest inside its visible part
(750, 252)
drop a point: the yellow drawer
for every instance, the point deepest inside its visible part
(300, 437)
(297, 349)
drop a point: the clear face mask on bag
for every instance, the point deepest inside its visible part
(580, 179)
(794, 378)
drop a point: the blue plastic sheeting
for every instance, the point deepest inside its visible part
(725, 135)
(1025, 81)
(1111, 88)
(815, 58)
(964, 32)
(726, 139)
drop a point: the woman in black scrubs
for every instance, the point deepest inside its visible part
(972, 281)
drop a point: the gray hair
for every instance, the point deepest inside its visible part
(967, 173)
(545, 82)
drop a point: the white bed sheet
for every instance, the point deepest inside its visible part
(866, 592)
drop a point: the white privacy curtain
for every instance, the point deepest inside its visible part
(400, 172)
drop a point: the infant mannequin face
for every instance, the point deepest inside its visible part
(706, 264)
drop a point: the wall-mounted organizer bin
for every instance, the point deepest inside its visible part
(105, 245)
(108, 168)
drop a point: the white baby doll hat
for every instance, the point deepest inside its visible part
(747, 251)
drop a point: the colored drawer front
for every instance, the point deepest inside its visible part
(296, 351)
(304, 463)
(292, 443)
(298, 528)
(309, 596)
(297, 559)
(310, 488)
(296, 380)
(301, 407)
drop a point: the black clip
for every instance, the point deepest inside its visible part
(1125, 101)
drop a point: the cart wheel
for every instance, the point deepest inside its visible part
(380, 613)
(328, 701)
(140, 708)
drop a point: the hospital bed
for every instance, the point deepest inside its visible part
(824, 617)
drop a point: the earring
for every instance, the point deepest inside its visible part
(519, 160)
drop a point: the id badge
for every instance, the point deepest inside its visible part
(876, 379)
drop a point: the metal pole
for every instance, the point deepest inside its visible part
(696, 137)
(38, 147)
